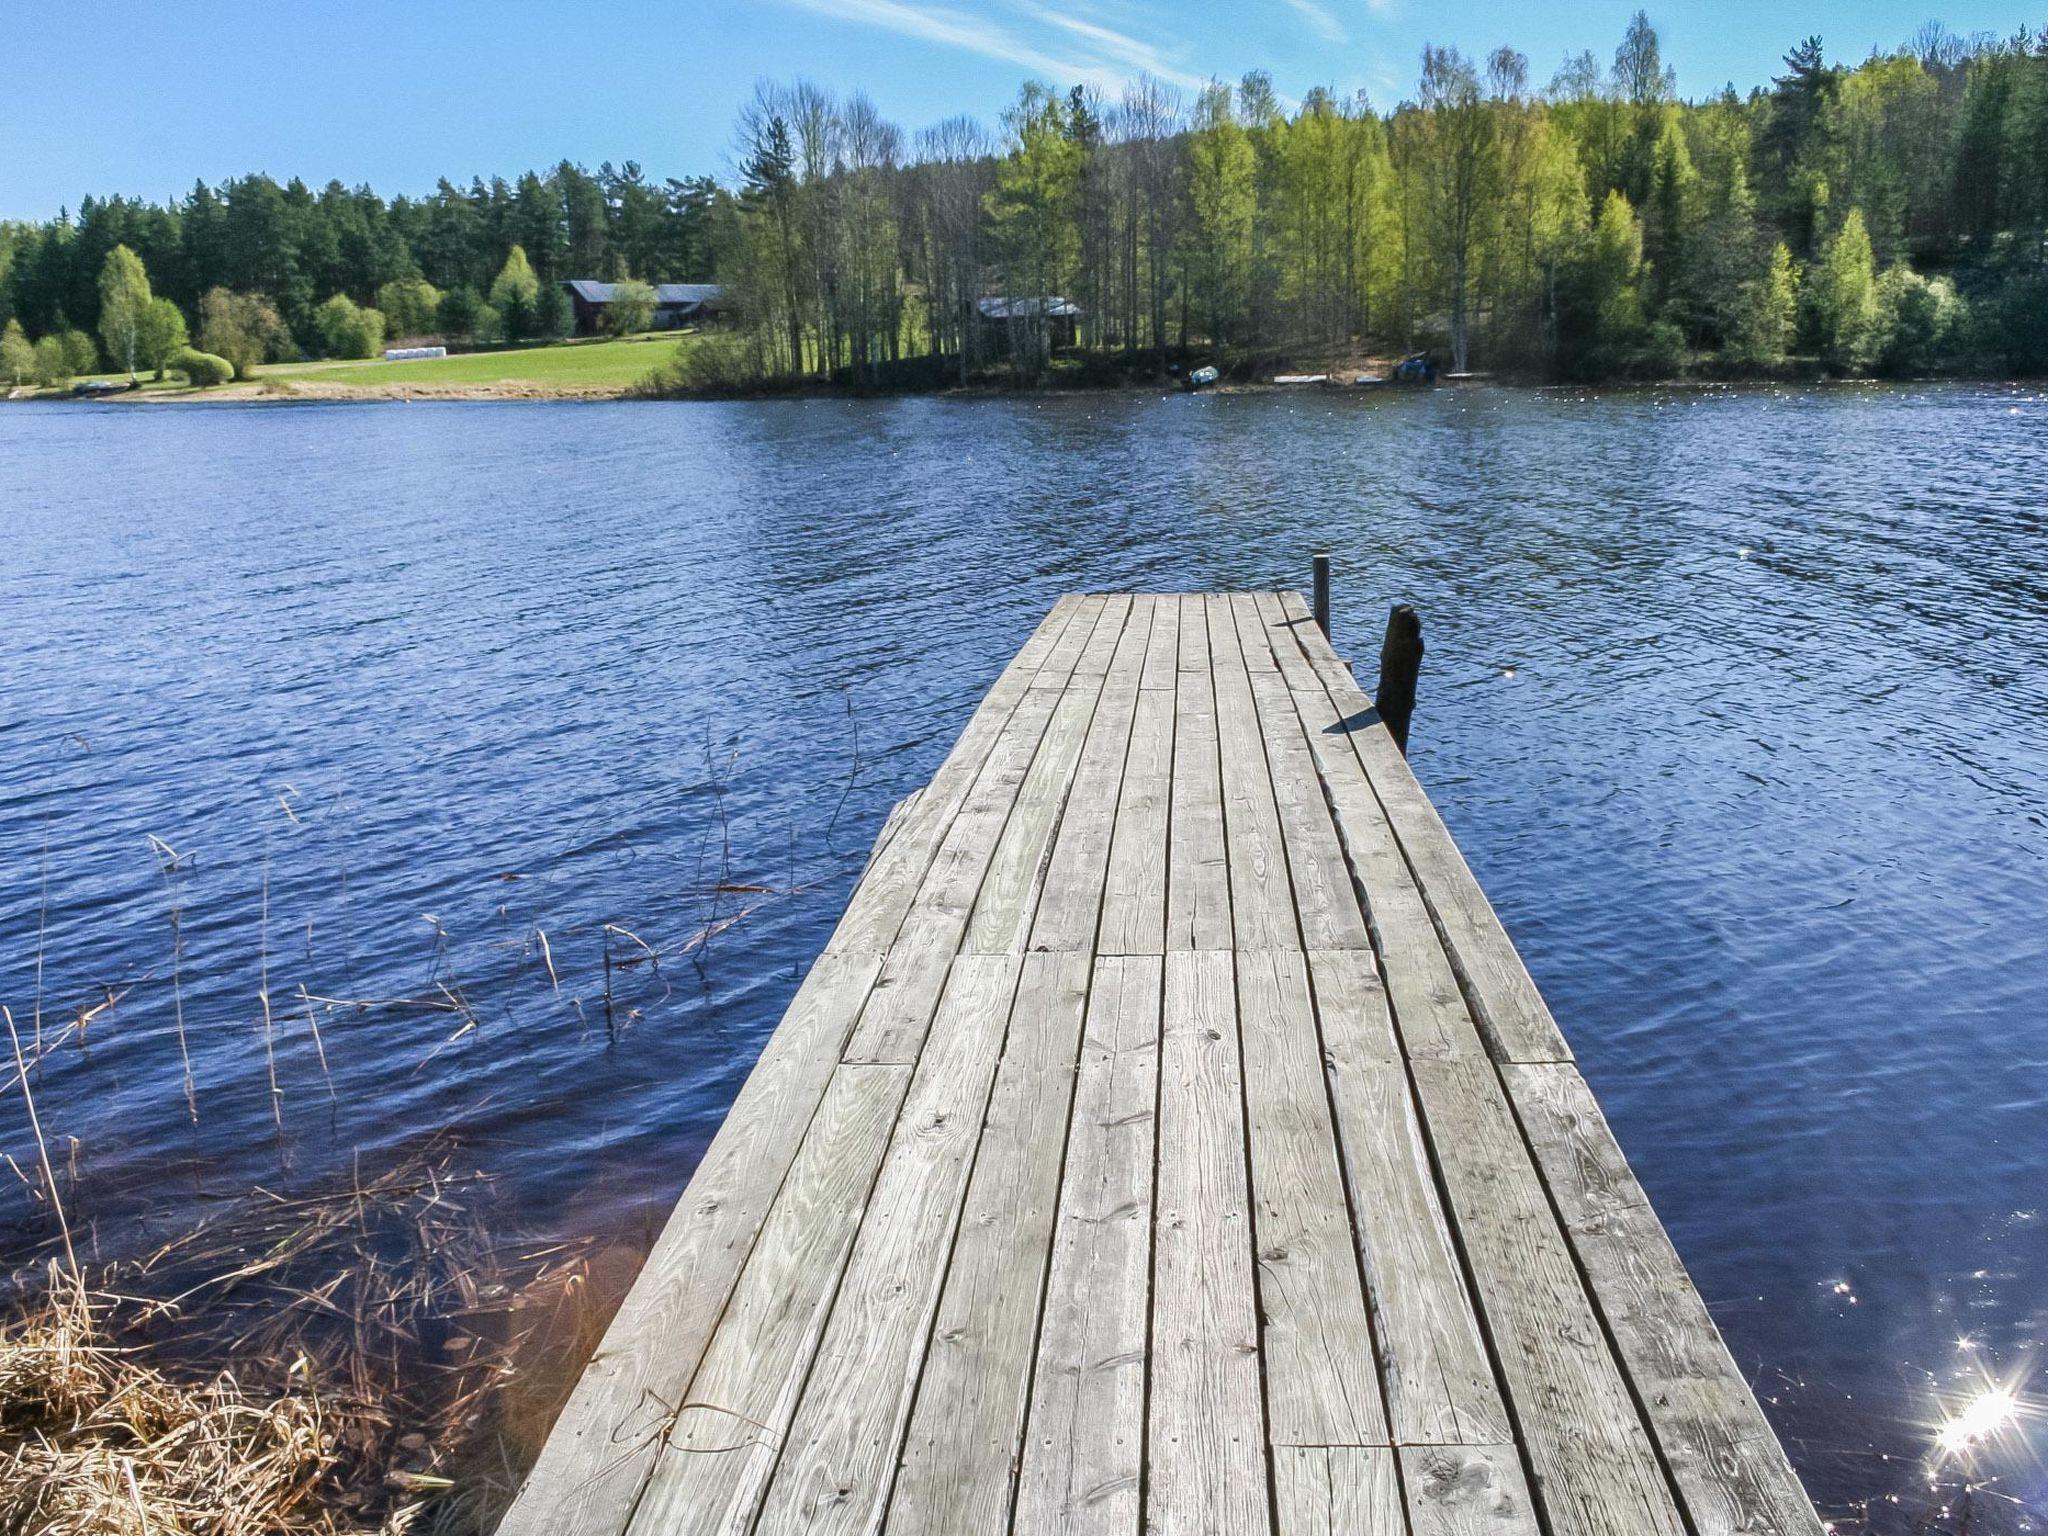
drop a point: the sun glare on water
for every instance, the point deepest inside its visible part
(1981, 1419)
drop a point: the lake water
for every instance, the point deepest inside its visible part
(1737, 703)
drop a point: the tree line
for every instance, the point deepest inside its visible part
(1889, 215)
(1885, 216)
(276, 271)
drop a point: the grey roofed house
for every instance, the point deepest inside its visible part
(674, 303)
(1058, 318)
(1025, 307)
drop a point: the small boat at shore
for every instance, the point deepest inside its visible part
(1202, 378)
(1301, 378)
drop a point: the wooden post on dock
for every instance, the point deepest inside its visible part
(1322, 563)
(1400, 664)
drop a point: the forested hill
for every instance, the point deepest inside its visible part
(1887, 215)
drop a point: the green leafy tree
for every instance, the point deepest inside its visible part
(1767, 315)
(244, 328)
(411, 306)
(631, 309)
(81, 352)
(349, 330)
(515, 295)
(1842, 297)
(1031, 211)
(1604, 323)
(1917, 320)
(1222, 204)
(124, 306)
(53, 363)
(553, 318)
(17, 355)
(1456, 162)
(162, 335)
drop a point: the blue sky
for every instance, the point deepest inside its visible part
(144, 98)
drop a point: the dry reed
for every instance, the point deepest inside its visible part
(367, 1357)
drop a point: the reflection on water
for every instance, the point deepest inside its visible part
(551, 737)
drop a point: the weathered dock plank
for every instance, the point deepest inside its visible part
(1315, 1342)
(1206, 1436)
(1084, 1439)
(1169, 1142)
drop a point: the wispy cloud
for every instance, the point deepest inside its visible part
(1118, 47)
(1322, 22)
(1078, 51)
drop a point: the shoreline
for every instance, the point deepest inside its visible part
(265, 390)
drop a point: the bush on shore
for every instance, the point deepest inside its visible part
(719, 362)
(202, 370)
(349, 330)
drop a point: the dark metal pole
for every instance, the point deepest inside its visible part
(1322, 563)
(1400, 664)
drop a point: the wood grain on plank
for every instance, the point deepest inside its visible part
(1510, 1011)
(1162, 650)
(1261, 894)
(1440, 1387)
(1421, 984)
(1322, 1386)
(1730, 1470)
(597, 1458)
(1325, 899)
(1208, 1467)
(1252, 638)
(1467, 1490)
(718, 1454)
(1071, 892)
(1084, 1437)
(963, 1445)
(1198, 865)
(1095, 657)
(1321, 1490)
(1194, 632)
(1597, 1473)
(836, 1464)
(1279, 622)
(1064, 657)
(1008, 898)
(1133, 919)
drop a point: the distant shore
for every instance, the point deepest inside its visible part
(620, 370)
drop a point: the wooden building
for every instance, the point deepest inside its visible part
(675, 304)
(1044, 321)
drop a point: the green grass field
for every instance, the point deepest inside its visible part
(613, 364)
(571, 366)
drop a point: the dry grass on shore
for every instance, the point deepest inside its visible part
(364, 1359)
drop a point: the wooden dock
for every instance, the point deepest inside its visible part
(1169, 1140)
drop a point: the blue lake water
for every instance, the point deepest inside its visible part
(1736, 701)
